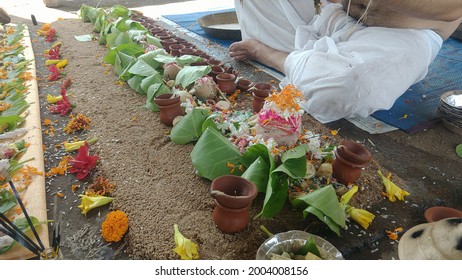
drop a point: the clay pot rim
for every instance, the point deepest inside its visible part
(226, 76)
(357, 153)
(347, 162)
(166, 99)
(235, 180)
(244, 84)
(263, 86)
(437, 213)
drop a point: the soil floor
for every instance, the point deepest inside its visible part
(157, 187)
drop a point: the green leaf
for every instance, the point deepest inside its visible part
(309, 247)
(23, 225)
(162, 58)
(122, 61)
(128, 24)
(212, 153)
(142, 68)
(188, 59)
(210, 121)
(151, 40)
(294, 162)
(153, 91)
(83, 13)
(254, 152)
(322, 217)
(189, 74)
(149, 57)
(148, 81)
(190, 127)
(459, 150)
(119, 11)
(135, 83)
(135, 34)
(116, 39)
(6, 243)
(258, 172)
(129, 49)
(99, 23)
(12, 121)
(325, 200)
(276, 194)
(7, 200)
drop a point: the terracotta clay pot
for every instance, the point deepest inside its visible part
(170, 108)
(436, 213)
(187, 51)
(166, 43)
(244, 84)
(175, 49)
(213, 61)
(233, 198)
(225, 82)
(350, 159)
(259, 92)
(215, 71)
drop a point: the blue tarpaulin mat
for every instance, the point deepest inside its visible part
(416, 109)
(189, 22)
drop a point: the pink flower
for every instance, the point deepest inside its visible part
(82, 163)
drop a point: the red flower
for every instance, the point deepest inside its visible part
(63, 106)
(54, 52)
(65, 84)
(82, 163)
(51, 35)
(54, 73)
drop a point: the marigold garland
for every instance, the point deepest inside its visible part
(115, 226)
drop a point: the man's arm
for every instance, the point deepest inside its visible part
(434, 10)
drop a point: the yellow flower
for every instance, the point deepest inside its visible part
(362, 217)
(68, 147)
(185, 248)
(53, 99)
(348, 195)
(90, 202)
(392, 190)
(115, 226)
(49, 62)
(61, 64)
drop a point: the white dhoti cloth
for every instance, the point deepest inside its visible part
(343, 69)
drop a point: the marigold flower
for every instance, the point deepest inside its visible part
(100, 186)
(287, 98)
(79, 122)
(62, 167)
(185, 248)
(88, 203)
(115, 226)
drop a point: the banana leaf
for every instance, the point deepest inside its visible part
(18, 104)
(210, 121)
(118, 38)
(84, 11)
(276, 194)
(135, 83)
(148, 81)
(99, 23)
(141, 68)
(106, 29)
(151, 40)
(294, 162)
(212, 153)
(136, 34)
(119, 11)
(190, 127)
(24, 226)
(149, 57)
(153, 91)
(254, 152)
(325, 200)
(122, 61)
(189, 74)
(258, 172)
(322, 217)
(124, 24)
(129, 49)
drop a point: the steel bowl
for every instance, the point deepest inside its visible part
(291, 241)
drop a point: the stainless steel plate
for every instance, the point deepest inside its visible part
(221, 26)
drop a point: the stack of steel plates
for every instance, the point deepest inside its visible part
(450, 110)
